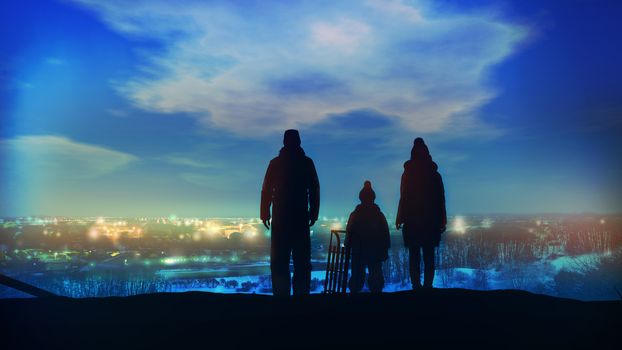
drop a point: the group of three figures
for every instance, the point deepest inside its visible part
(291, 187)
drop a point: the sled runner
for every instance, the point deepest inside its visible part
(337, 263)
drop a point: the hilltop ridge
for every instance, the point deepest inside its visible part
(442, 317)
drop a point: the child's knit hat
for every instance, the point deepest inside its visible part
(367, 194)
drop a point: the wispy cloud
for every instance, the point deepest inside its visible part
(398, 8)
(118, 112)
(185, 161)
(344, 35)
(258, 67)
(198, 179)
(49, 156)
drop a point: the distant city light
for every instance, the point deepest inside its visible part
(174, 260)
(487, 223)
(93, 233)
(133, 244)
(248, 231)
(459, 225)
(336, 226)
(212, 228)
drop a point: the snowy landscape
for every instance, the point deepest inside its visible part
(568, 256)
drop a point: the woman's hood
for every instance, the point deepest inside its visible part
(292, 151)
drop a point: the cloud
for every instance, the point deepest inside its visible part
(51, 156)
(118, 112)
(345, 35)
(255, 68)
(398, 8)
(185, 161)
(198, 179)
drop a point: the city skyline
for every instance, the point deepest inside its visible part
(144, 109)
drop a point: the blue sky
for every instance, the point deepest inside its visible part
(159, 108)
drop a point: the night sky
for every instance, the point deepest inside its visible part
(125, 108)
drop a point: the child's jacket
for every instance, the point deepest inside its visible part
(368, 233)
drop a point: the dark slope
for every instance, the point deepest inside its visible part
(444, 317)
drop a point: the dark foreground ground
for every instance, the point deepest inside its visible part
(444, 318)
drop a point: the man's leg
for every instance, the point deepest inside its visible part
(279, 265)
(428, 265)
(414, 254)
(301, 254)
(375, 281)
(358, 274)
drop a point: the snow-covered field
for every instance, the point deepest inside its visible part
(538, 277)
(586, 277)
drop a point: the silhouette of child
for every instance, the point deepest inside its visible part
(368, 233)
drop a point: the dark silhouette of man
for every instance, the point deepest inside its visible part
(292, 188)
(368, 235)
(421, 211)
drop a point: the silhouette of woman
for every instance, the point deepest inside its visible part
(421, 211)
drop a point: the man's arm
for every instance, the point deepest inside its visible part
(314, 194)
(266, 196)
